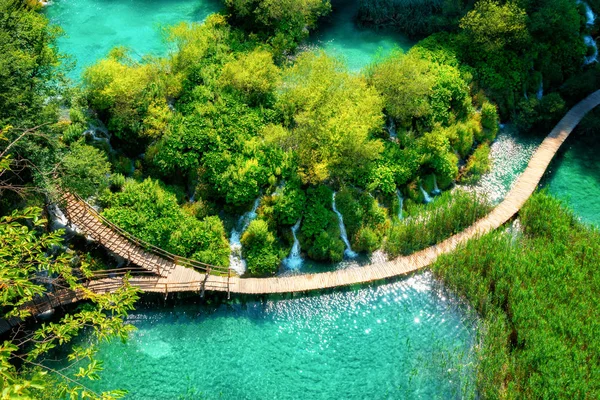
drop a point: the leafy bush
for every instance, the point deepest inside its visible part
(260, 249)
(478, 164)
(289, 205)
(319, 232)
(148, 211)
(84, 170)
(365, 221)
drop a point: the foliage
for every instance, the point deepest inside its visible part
(330, 116)
(478, 164)
(416, 18)
(26, 269)
(260, 249)
(449, 214)
(85, 170)
(29, 66)
(289, 205)
(537, 294)
(151, 213)
(366, 222)
(253, 75)
(319, 232)
(284, 24)
(132, 97)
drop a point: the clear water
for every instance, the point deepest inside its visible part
(404, 340)
(574, 176)
(510, 154)
(93, 27)
(339, 35)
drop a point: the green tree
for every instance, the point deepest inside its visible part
(85, 170)
(148, 211)
(253, 75)
(26, 268)
(29, 66)
(285, 23)
(260, 249)
(330, 117)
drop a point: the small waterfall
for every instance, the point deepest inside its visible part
(589, 13)
(400, 203)
(436, 189)
(294, 260)
(540, 92)
(236, 261)
(590, 42)
(391, 128)
(426, 196)
(348, 252)
(99, 135)
(57, 218)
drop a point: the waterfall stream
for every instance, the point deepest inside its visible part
(348, 252)
(400, 203)
(589, 13)
(590, 42)
(436, 189)
(294, 260)
(391, 128)
(236, 261)
(540, 92)
(426, 196)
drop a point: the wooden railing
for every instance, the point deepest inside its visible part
(148, 247)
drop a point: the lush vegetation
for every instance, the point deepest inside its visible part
(174, 149)
(537, 293)
(29, 263)
(450, 214)
(224, 119)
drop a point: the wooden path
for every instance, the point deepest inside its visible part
(174, 275)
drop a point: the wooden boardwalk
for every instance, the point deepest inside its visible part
(174, 276)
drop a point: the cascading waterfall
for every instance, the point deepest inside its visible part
(294, 260)
(348, 252)
(236, 261)
(589, 13)
(391, 128)
(590, 42)
(436, 189)
(540, 92)
(426, 196)
(400, 203)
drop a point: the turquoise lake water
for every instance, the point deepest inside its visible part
(404, 340)
(574, 176)
(93, 27)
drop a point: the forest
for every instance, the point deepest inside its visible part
(239, 129)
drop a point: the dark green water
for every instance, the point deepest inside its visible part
(404, 340)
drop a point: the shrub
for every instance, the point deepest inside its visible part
(319, 232)
(151, 212)
(489, 121)
(478, 164)
(260, 249)
(84, 170)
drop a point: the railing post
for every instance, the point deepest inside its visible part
(228, 276)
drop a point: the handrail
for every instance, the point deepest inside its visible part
(178, 260)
